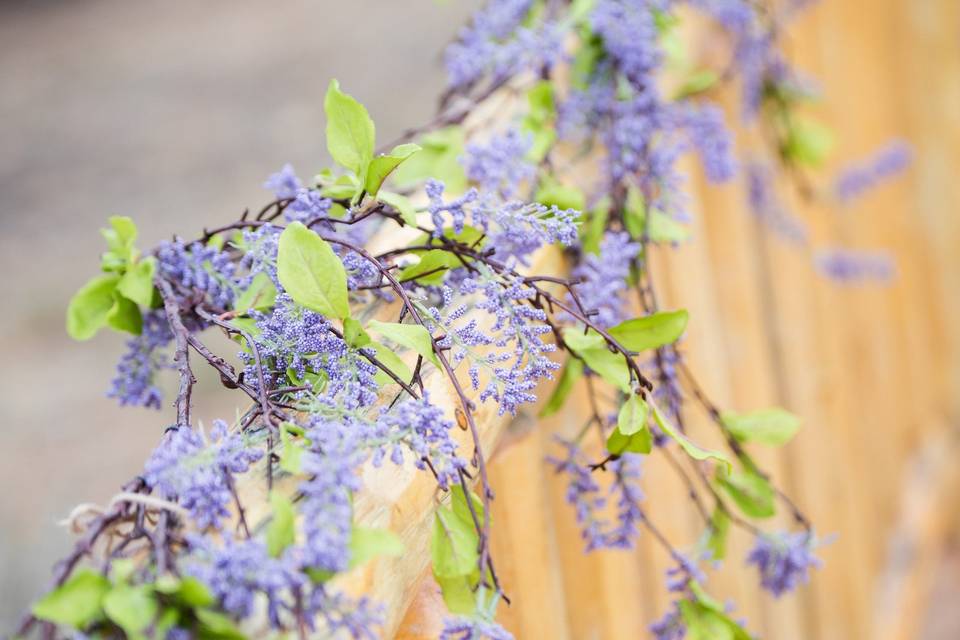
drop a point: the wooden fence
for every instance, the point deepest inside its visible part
(874, 372)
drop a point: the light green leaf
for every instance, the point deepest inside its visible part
(137, 283)
(261, 294)
(132, 608)
(572, 371)
(291, 451)
(459, 594)
(120, 238)
(752, 493)
(592, 230)
(808, 142)
(439, 159)
(716, 535)
(412, 336)
(610, 366)
(125, 315)
(366, 544)
(458, 502)
(697, 82)
(90, 307)
(432, 267)
(772, 426)
(705, 623)
(350, 132)
(311, 272)
(393, 362)
(563, 196)
(662, 228)
(632, 417)
(383, 165)
(354, 334)
(217, 626)
(650, 332)
(281, 532)
(694, 451)
(639, 442)
(453, 549)
(408, 213)
(76, 603)
(187, 590)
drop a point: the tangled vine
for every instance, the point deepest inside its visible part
(561, 130)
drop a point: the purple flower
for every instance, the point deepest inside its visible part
(456, 209)
(626, 488)
(472, 628)
(767, 206)
(358, 619)
(134, 383)
(307, 205)
(284, 183)
(195, 470)
(583, 493)
(862, 176)
(199, 268)
(500, 165)
(602, 279)
(630, 36)
(670, 626)
(849, 266)
(784, 560)
(710, 136)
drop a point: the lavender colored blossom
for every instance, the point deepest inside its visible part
(626, 488)
(357, 618)
(421, 427)
(767, 206)
(259, 248)
(630, 36)
(199, 268)
(710, 136)
(284, 183)
(583, 493)
(135, 381)
(464, 628)
(496, 43)
(670, 626)
(862, 176)
(456, 209)
(500, 165)
(602, 278)
(849, 266)
(784, 560)
(680, 575)
(307, 205)
(195, 470)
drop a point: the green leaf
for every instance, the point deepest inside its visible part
(393, 362)
(662, 228)
(432, 267)
(281, 532)
(716, 540)
(350, 132)
(705, 623)
(217, 626)
(650, 332)
(354, 334)
(120, 238)
(90, 307)
(408, 213)
(453, 549)
(772, 426)
(562, 196)
(694, 451)
(311, 272)
(77, 603)
(291, 451)
(752, 493)
(412, 336)
(383, 165)
(639, 442)
(187, 590)
(132, 608)
(697, 82)
(366, 544)
(261, 294)
(459, 594)
(125, 315)
(572, 371)
(458, 502)
(632, 417)
(137, 283)
(808, 142)
(593, 229)
(439, 159)
(591, 346)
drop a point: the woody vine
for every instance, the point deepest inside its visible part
(345, 294)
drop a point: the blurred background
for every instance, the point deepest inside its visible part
(174, 113)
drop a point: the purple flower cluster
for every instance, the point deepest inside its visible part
(862, 176)
(708, 133)
(464, 628)
(767, 206)
(135, 381)
(626, 488)
(670, 626)
(784, 560)
(284, 183)
(196, 470)
(500, 165)
(497, 43)
(851, 266)
(630, 36)
(602, 278)
(199, 268)
(307, 205)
